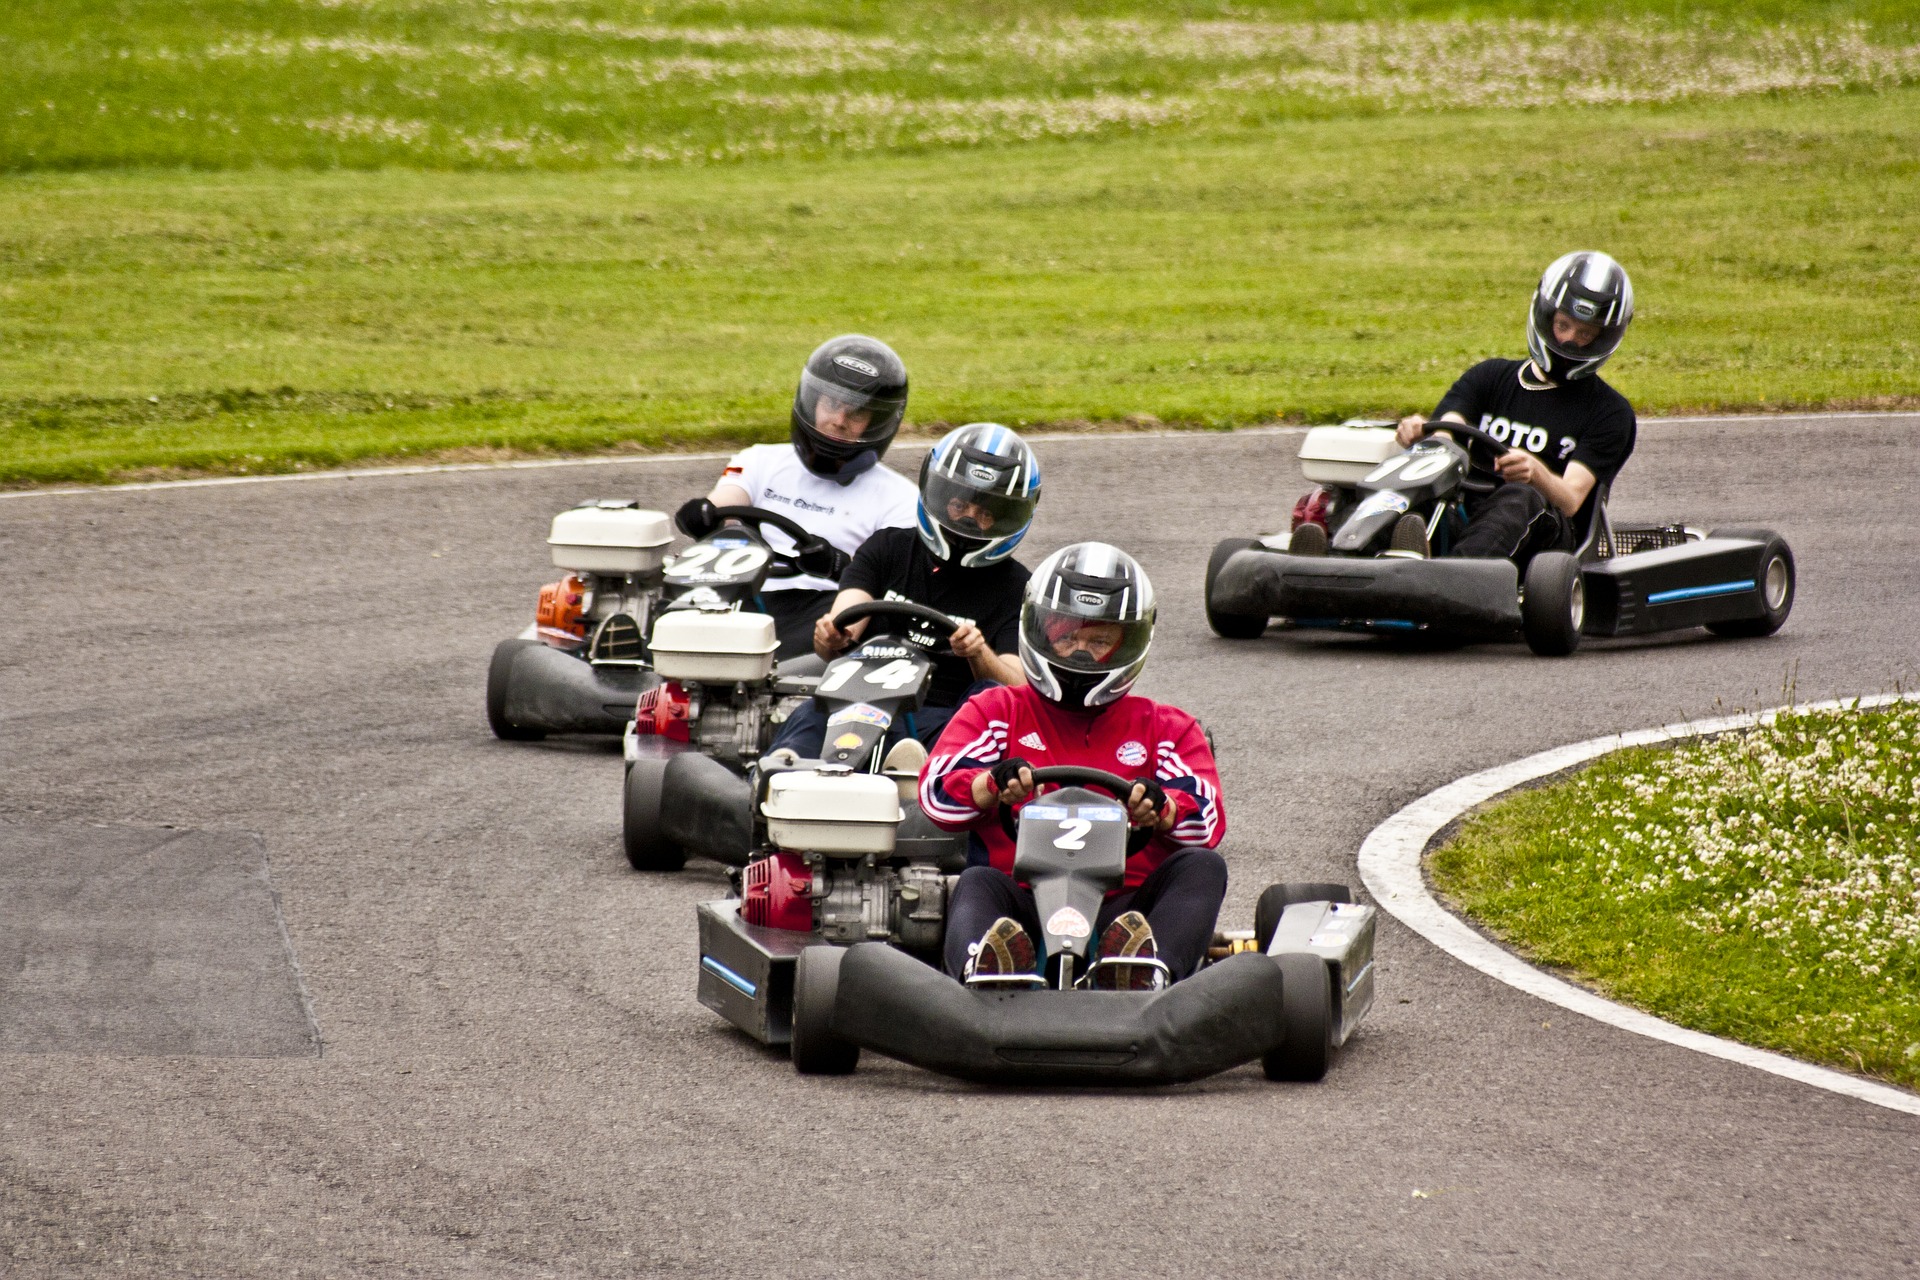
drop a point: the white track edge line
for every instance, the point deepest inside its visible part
(1391, 867)
(643, 459)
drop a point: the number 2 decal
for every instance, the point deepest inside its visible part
(1073, 834)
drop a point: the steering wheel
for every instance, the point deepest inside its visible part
(804, 541)
(939, 621)
(1076, 775)
(1483, 452)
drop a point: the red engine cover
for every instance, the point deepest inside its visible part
(1312, 508)
(774, 893)
(662, 712)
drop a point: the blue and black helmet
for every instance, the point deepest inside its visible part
(978, 489)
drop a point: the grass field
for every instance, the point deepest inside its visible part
(1761, 885)
(262, 234)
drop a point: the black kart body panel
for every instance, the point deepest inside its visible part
(707, 808)
(1225, 1015)
(1713, 580)
(1470, 596)
(558, 692)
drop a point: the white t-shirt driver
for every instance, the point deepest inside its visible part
(845, 515)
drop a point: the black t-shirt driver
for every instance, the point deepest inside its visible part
(894, 564)
(1584, 421)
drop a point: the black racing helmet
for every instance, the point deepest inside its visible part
(1591, 288)
(978, 489)
(1086, 626)
(855, 374)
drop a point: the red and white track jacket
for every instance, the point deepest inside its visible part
(1130, 737)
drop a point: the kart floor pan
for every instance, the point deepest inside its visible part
(1225, 1015)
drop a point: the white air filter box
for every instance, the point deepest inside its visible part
(610, 537)
(1343, 455)
(832, 812)
(713, 648)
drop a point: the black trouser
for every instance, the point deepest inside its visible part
(1180, 898)
(1515, 522)
(794, 612)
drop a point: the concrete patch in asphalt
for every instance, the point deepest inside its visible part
(145, 941)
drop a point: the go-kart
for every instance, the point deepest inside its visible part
(581, 664)
(694, 750)
(587, 658)
(1287, 992)
(1624, 579)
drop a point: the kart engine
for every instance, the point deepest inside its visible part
(580, 603)
(727, 724)
(847, 901)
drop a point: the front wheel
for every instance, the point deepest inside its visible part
(1306, 997)
(648, 848)
(1777, 582)
(499, 678)
(816, 1050)
(1230, 626)
(1553, 604)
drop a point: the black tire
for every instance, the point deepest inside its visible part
(1553, 604)
(1276, 898)
(648, 849)
(1307, 998)
(816, 1051)
(1230, 626)
(499, 676)
(1778, 581)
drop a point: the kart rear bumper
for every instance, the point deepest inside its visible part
(557, 692)
(1225, 1015)
(1476, 596)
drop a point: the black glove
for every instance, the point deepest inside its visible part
(822, 560)
(696, 518)
(1156, 795)
(1006, 771)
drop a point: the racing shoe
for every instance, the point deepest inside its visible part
(1410, 537)
(1004, 955)
(1128, 960)
(907, 756)
(1308, 540)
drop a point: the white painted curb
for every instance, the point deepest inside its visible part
(1390, 866)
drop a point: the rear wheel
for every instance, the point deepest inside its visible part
(1777, 581)
(499, 677)
(1276, 898)
(1306, 994)
(648, 848)
(1230, 626)
(816, 1050)
(1553, 604)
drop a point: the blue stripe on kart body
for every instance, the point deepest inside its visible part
(1700, 593)
(728, 976)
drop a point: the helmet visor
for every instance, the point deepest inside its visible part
(974, 503)
(1075, 641)
(835, 412)
(1577, 329)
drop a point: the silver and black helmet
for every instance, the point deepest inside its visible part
(1086, 626)
(1589, 287)
(978, 488)
(859, 375)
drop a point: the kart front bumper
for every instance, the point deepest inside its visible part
(1466, 596)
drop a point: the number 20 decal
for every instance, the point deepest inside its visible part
(729, 563)
(1073, 834)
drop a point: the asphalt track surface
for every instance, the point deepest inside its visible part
(517, 1079)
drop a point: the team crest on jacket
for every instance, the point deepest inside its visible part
(1132, 754)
